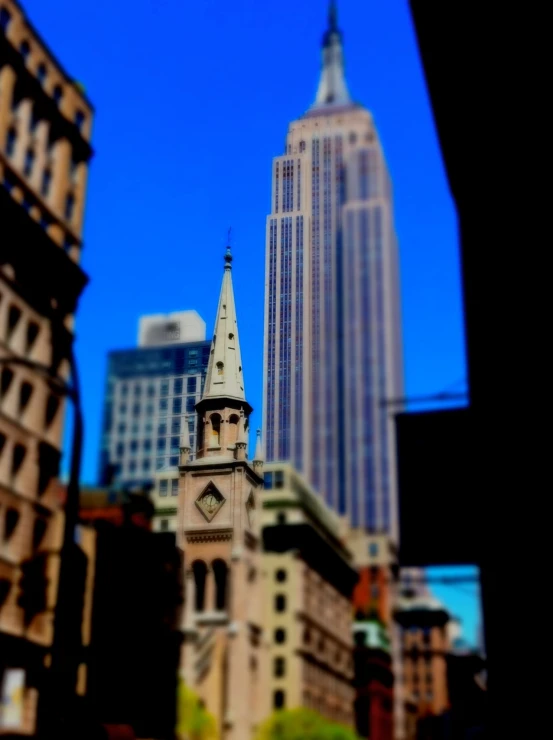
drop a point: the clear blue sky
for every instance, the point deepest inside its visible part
(192, 102)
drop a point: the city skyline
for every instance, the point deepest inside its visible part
(333, 348)
(151, 229)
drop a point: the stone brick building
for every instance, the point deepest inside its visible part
(45, 125)
(309, 582)
(219, 530)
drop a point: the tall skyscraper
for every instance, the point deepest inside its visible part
(151, 393)
(332, 308)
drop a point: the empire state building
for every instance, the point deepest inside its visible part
(333, 348)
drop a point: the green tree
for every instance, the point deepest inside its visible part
(194, 722)
(302, 724)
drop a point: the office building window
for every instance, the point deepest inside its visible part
(175, 487)
(5, 18)
(136, 409)
(69, 207)
(146, 466)
(124, 389)
(160, 463)
(29, 162)
(162, 429)
(163, 486)
(163, 407)
(177, 386)
(123, 409)
(24, 50)
(134, 446)
(137, 390)
(132, 466)
(174, 446)
(164, 388)
(279, 699)
(120, 449)
(279, 667)
(151, 390)
(190, 404)
(175, 426)
(161, 444)
(46, 182)
(173, 461)
(79, 119)
(177, 405)
(10, 142)
(191, 385)
(268, 480)
(149, 410)
(122, 428)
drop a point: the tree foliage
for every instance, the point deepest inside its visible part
(302, 724)
(194, 722)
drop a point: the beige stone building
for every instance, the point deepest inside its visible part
(45, 124)
(219, 530)
(308, 613)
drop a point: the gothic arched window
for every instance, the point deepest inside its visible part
(220, 572)
(199, 569)
(215, 420)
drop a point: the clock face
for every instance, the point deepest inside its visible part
(210, 501)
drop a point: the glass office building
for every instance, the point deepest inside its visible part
(151, 393)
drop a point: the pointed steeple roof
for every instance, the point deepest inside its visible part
(333, 90)
(224, 377)
(258, 457)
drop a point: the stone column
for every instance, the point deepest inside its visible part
(61, 157)
(24, 110)
(7, 85)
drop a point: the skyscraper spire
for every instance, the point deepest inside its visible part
(332, 85)
(224, 377)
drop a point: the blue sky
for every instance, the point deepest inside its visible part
(192, 102)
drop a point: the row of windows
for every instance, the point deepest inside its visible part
(26, 391)
(178, 384)
(135, 447)
(163, 407)
(273, 480)
(164, 487)
(135, 466)
(11, 519)
(69, 207)
(41, 71)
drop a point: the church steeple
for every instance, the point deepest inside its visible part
(224, 377)
(332, 89)
(223, 411)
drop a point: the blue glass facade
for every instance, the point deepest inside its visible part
(150, 393)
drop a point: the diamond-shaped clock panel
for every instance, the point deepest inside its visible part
(210, 501)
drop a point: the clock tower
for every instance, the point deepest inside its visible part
(219, 530)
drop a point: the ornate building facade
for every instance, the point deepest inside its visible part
(219, 530)
(310, 578)
(45, 128)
